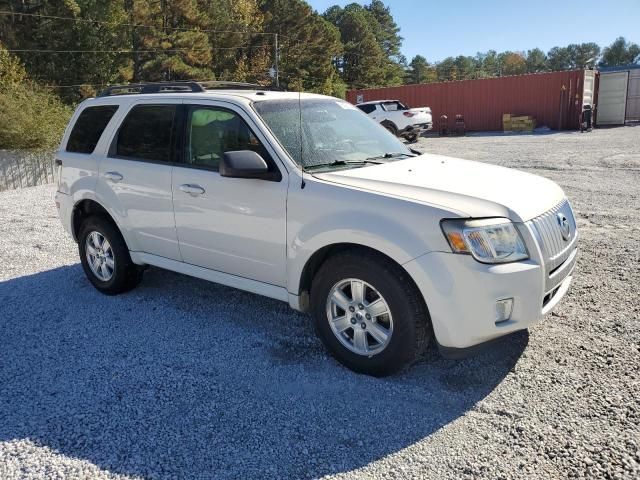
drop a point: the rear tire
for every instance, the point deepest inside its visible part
(105, 257)
(406, 325)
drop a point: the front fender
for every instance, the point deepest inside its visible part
(325, 214)
(355, 227)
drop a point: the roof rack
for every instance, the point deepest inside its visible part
(159, 87)
(180, 87)
(222, 85)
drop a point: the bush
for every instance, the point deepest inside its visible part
(31, 117)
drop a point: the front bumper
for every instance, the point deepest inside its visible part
(461, 296)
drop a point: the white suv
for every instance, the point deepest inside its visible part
(399, 119)
(305, 199)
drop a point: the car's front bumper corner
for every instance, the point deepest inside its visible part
(462, 294)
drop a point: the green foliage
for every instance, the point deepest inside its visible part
(371, 45)
(584, 54)
(31, 117)
(355, 46)
(620, 52)
(420, 71)
(536, 61)
(309, 45)
(178, 54)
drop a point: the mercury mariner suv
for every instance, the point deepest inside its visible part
(306, 199)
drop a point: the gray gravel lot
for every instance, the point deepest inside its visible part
(184, 378)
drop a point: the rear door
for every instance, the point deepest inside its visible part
(231, 225)
(134, 178)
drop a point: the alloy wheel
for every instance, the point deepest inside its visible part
(359, 317)
(100, 256)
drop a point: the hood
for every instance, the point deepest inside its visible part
(471, 189)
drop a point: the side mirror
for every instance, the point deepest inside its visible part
(246, 164)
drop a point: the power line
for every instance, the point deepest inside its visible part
(124, 85)
(134, 25)
(25, 50)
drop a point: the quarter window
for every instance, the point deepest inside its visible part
(213, 131)
(89, 127)
(146, 133)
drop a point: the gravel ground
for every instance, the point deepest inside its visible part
(184, 378)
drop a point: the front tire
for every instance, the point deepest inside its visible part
(105, 257)
(369, 313)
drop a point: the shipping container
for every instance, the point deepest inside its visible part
(619, 95)
(554, 99)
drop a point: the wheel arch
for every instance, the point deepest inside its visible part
(315, 261)
(86, 208)
(391, 124)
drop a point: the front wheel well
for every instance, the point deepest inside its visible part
(322, 255)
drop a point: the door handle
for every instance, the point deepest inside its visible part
(115, 177)
(192, 189)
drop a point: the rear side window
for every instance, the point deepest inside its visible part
(393, 106)
(89, 127)
(146, 133)
(367, 108)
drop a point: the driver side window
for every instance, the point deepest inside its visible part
(211, 132)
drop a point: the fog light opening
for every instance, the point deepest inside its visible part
(504, 308)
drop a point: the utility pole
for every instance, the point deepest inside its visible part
(277, 54)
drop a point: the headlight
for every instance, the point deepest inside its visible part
(491, 240)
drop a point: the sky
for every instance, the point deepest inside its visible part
(439, 29)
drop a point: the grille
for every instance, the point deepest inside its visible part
(555, 249)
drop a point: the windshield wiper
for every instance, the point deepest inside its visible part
(391, 155)
(339, 163)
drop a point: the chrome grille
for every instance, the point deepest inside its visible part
(555, 249)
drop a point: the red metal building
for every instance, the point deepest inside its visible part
(554, 99)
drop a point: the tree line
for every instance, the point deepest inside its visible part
(56, 53)
(494, 64)
(89, 43)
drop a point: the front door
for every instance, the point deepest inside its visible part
(231, 225)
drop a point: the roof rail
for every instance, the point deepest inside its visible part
(180, 87)
(158, 87)
(223, 85)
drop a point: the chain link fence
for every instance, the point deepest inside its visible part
(20, 169)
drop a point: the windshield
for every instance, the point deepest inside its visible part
(334, 133)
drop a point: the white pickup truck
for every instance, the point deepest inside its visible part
(399, 119)
(305, 199)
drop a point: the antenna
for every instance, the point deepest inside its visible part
(302, 183)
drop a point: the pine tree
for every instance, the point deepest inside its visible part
(620, 52)
(309, 46)
(173, 50)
